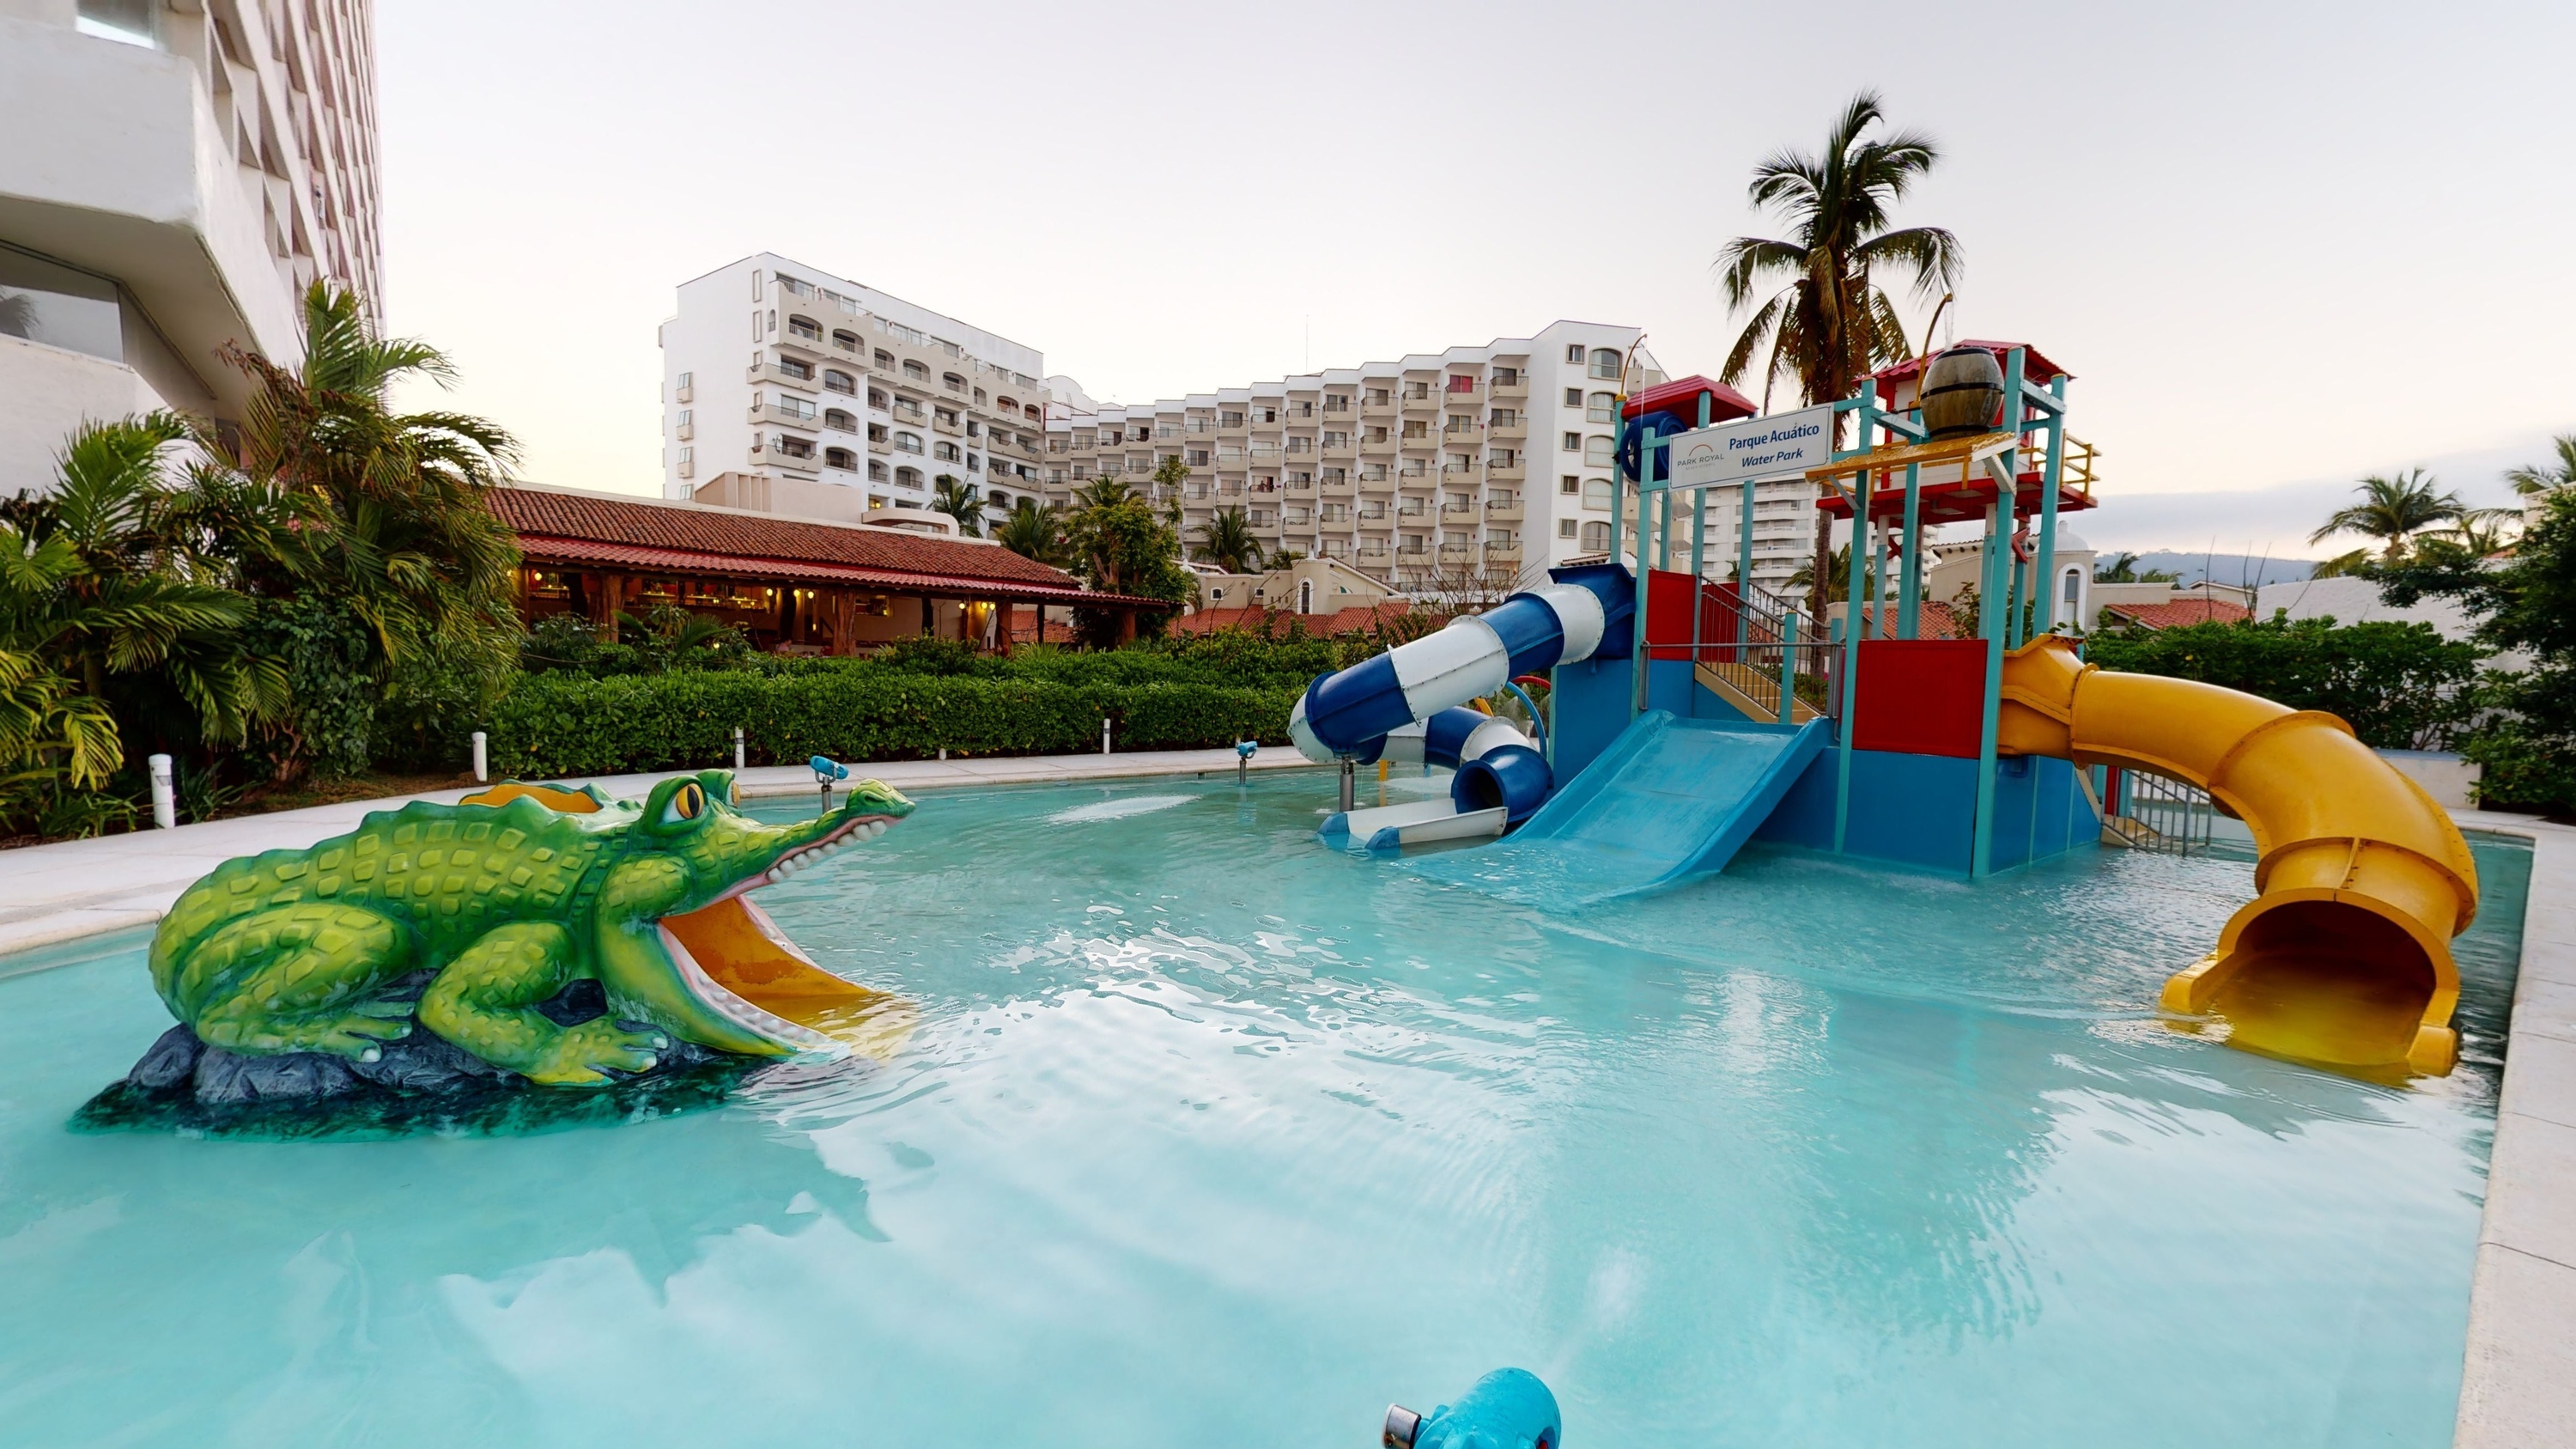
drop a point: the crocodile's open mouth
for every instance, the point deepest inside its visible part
(742, 967)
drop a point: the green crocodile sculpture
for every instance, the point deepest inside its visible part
(508, 902)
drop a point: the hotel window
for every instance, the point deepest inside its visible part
(1597, 536)
(1596, 493)
(1574, 397)
(1569, 484)
(1565, 529)
(1462, 382)
(687, 414)
(1573, 442)
(1605, 364)
(1596, 451)
(690, 455)
(1605, 408)
(1507, 377)
(1574, 353)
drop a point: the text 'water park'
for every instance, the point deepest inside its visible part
(1707, 1008)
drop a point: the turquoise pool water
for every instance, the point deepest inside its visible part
(1211, 1136)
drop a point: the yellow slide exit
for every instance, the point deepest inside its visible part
(2343, 958)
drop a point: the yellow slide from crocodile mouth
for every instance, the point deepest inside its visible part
(2343, 958)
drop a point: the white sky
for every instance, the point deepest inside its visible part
(2279, 245)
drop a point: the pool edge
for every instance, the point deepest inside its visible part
(2518, 1361)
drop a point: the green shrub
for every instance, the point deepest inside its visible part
(560, 724)
(2400, 686)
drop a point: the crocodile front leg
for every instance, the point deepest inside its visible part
(485, 1001)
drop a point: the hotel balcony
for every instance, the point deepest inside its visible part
(765, 411)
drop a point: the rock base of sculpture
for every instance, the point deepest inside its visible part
(420, 1084)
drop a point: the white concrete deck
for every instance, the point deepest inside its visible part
(75, 888)
(2518, 1387)
(2519, 1384)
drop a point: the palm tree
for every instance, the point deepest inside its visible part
(2122, 568)
(2393, 510)
(2531, 480)
(1831, 323)
(1034, 533)
(2355, 564)
(1226, 540)
(959, 501)
(395, 523)
(2480, 532)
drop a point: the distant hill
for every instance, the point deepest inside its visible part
(2249, 571)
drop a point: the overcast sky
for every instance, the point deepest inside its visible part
(2279, 245)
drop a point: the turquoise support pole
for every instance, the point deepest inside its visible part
(1788, 667)
(2016, 592)
(1699, 553)
(1645, 525)
(1981, 850)
(2050, 473)
(1909, 624)
(1852, 599)
(1664, 530)
(1880, 535)
(1744, 539)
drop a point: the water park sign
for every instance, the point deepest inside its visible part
(1784, 444)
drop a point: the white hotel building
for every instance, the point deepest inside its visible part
(789, 390)
(1453, 471)
(174, 173)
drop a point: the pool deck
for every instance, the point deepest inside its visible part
(2518, 1387)
(75, 888)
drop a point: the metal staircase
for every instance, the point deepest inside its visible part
(1744, 668)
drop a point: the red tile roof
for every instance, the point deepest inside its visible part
(2035, 367)
(577, 528)
(2180, 612)
(1357, 619)
(1932, 620)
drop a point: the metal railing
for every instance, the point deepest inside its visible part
(2165, 815)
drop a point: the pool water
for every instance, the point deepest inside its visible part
(1210, 1135)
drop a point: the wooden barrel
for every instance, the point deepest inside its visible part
(1963, 392)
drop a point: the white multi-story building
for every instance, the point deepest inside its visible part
(174, 173)
(787, 389)
(1453, 472)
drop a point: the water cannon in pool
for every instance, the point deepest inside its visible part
(1506, 1409)
(1243, 753)
(826, 773)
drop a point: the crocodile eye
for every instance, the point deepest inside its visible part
(687, 803)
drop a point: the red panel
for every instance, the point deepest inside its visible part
(1668, 612)
(1681, 397)
(1921, 696)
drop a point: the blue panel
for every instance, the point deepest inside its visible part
(1805, 814)
(1587, 709)
(1707, 704)
(1530, 631)
(1444, 733)
(1349, 709)
(1669, 686)
(1912, 809)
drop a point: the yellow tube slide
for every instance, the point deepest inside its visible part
(2343, 958)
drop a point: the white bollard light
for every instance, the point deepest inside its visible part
(1104, 737)
(737, 747)
(482, 766)
(165, 805)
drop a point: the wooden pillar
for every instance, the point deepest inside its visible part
(1002, 609)
(844, 624)
(609, 598)
(1126, 626)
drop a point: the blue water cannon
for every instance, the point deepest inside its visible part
(1243, 753)
(1506, 1409)
(826, 772)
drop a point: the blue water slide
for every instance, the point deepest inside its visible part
(1348, 715)
(1670, 799)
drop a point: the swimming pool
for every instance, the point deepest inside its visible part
(1210, 1135)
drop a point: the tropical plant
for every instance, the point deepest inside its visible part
(1226, 540)
(2478, 532)
(139, 612)
(2343, 565)
(385, 514)
(959, 501)
(2122, 568)
(1832, 323)
(1034, 533)
(2393, 510)
(2534, 480)
(1121, 544)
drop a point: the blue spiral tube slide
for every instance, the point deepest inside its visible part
(1405, 704)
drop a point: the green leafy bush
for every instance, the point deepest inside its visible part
(329, 723)
(560, 724)
(2400, 686)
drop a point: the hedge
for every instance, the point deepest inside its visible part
(565, 724)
